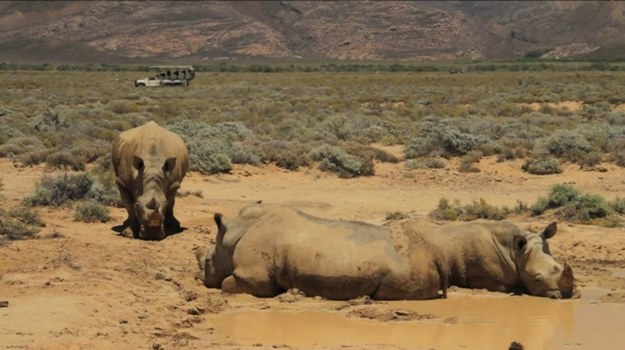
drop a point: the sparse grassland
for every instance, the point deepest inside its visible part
(67, 119)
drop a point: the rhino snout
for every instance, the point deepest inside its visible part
(566, 282)
(151, 219)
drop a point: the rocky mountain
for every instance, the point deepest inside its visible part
(146, 31)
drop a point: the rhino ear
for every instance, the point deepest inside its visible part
(169, 165)
(520, 243)
(137, 163)
(549, 231)
(219, 221)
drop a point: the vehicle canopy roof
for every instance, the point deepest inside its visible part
(172, 67)
(174, 72)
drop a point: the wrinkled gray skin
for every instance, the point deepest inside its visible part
(499, 256)
(266, 250)
(150, 163)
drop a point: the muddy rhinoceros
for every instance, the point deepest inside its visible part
(150, 163)
(266, 250)
(499, 256)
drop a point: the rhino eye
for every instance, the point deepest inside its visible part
(539, 277)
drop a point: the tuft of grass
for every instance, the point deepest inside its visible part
(27, 216)
(334, 159)
(19, 223)
(428, 163)
(395, 215)
(56, 191)
(543, 165)
(618, 205)
(477, 209)
(91, 211)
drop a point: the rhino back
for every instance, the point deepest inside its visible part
(331, 258)
(148, 140)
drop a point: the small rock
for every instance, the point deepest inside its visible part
(516, 346)
(157, 347)
(123, 321)
(159, 276)
(190, 295)
(195, 311)
(4, 303)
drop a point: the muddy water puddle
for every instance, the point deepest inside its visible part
(460, 322)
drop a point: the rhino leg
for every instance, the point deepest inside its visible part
(262, 288)
(129, 202)
(170, 220)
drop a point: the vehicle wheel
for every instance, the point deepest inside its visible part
(140, 85)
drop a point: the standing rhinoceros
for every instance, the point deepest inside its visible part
(266, 250)
(150, 163)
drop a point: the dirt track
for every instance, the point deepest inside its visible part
(91, 288)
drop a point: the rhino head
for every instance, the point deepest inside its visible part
(152, 191)
(539, 272)
(216, 263)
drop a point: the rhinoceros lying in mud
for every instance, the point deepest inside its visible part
(266, 250)
(150, 163)
(499, 256)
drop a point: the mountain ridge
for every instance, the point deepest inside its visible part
(132, 32)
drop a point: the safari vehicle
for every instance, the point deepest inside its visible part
(168, 76)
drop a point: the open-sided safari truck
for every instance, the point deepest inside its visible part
(168, 76)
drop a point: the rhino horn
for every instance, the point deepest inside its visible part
(567, 273)
(152, 204)
(566, 283)
(155, 218)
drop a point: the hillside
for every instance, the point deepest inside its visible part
(126, 32)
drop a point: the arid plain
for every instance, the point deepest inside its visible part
(83, 285)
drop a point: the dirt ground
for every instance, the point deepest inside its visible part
(90, 288)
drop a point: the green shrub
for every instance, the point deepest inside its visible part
(540, 206)
(428, 163)
(570, 204)
(567, 144)
(12, 229)
(287, 155)
(334, 159)
(482, 210)
(591, 206)
(56, 191)
(562, 194)
(49, 120)
(91, 211)
(543, 165)
(477, 209)
(211, 163)
(445, 210)
(27, 216)
(441, 139)
(618, 205)
(64, 160)
(209, 158)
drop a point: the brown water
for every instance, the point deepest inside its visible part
(461, 322)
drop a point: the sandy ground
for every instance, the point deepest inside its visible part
(91, 288)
